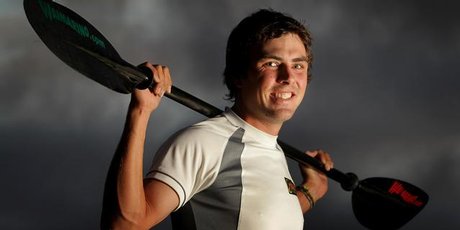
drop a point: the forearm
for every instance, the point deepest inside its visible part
(124, 197)
(306, 198)
(315, 183)
(130, 188)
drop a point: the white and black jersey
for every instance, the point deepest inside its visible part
(228, 175)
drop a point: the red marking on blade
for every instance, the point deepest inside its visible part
(398, 189)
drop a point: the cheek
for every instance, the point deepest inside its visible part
(304, 85)
(267, 81)
(302, 79)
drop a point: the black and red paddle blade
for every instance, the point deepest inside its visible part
(81, 46)
(384, 203)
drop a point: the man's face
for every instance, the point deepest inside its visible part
(276, 81)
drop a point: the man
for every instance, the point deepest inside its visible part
(227, 172)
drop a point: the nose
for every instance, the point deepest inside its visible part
(285, 75)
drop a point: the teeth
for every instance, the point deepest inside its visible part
(284, 95)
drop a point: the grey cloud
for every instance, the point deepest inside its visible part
(383, 101)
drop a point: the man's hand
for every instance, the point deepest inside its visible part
(149, 99)
(316, 181)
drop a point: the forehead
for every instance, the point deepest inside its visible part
(288, 45)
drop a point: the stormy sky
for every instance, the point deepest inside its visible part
(384, 101)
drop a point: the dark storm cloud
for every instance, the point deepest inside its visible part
(383, 101)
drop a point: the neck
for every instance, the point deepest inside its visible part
(264, 124)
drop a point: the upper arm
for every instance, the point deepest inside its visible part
(185, 166)
(161, 201)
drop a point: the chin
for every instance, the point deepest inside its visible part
(283, 115)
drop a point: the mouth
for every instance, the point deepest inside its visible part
(283, 95)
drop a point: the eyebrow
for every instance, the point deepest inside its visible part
(297, 59)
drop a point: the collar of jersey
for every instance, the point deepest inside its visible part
(253, 132)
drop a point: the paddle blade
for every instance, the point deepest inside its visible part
(384, 203)
(81, 46)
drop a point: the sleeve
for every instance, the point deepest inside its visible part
(188, 162)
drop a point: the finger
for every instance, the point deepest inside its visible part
(168, 81)
(323, 157)
(163, 79)
(158, 89)
(326, 159)
(312, 153)
(154, 70)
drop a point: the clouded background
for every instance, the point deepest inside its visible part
(384, 101)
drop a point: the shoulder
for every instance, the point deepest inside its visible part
(210, 130)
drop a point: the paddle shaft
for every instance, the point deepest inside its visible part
(348, 181)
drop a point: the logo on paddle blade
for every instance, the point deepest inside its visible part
(398, 189)
(53, 14)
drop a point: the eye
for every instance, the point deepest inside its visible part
(298, 66)
(271, 64)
